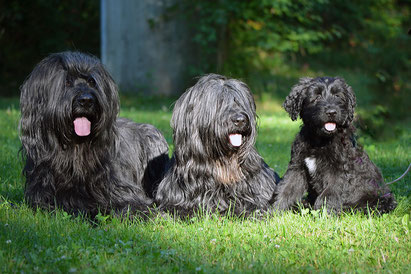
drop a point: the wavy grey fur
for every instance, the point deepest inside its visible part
(114, 168)
(207, 171)
(330, 166)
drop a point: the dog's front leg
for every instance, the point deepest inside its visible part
(291, 189)
(330, 198)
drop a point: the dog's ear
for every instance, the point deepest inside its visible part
(350, 99)
(294, 100)
(34, 100)
(351, 102)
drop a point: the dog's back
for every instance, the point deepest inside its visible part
(145, 149)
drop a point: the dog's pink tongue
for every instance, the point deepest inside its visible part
(82, 126)
(236, 139)
(330, 126)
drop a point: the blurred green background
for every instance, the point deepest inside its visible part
(268, 44)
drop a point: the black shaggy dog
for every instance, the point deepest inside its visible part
(325, 160)
(215, 165)
(79, 156)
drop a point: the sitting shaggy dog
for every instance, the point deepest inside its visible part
(79, 156)
(325, 160)
(215, 164)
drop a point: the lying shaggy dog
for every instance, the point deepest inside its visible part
(79, 156)
(215, 164)
(325, 160)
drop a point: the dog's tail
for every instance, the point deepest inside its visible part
(402, 176)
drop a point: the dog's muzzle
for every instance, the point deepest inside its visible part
(84, 106)
(331, 126)
(240, 122)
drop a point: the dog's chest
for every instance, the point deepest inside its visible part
(311, 164)
(319, 169)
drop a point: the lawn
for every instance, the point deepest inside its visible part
(292, 242)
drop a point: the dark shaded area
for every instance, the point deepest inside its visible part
(30, 30)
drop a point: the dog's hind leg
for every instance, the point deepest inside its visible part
(291, 189)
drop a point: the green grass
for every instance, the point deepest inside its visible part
(291, 242)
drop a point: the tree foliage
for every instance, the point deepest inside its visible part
(245, 39)
(229, 32)
(248, 38)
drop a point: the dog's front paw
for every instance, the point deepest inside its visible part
(281, 205)
(387, 203)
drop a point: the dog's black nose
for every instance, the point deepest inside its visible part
(86, 100)
(331, 112)
(238, 120)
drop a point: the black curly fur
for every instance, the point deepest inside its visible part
(116, 166)
(207, 171)
(329, 164)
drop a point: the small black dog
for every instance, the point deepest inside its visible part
(325, 160)
(215, 164)
(79, 156)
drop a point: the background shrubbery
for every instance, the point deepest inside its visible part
(269, 44)
(272, 43)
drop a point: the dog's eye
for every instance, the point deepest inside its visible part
(318, 91)
(315, 98)
(335, 91)
(91, 82)
(69, 82)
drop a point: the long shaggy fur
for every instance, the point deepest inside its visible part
(207, 170)
(326, 162)
(117, 165)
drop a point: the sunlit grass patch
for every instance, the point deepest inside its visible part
(301, 241)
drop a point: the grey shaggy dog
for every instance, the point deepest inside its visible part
(79, 156)
(215, 165)
(326, 162)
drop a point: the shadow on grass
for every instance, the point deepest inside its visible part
(47, 242)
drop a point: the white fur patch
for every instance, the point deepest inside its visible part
(310, 163)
